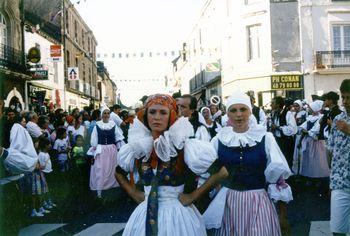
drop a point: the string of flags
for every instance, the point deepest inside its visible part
(151, 54)
(127, 55)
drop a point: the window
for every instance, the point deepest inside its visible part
(82, 38)
(341, 37)
(3, 30)
(75, 30)
(68, 58)
(67, 22)
(253, 42)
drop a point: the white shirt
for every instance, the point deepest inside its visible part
(44, 160)
(80, 131)
(288, 130)
(117, 120)
(61, 145)
(34, 129)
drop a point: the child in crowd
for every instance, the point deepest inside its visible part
(71, 132)
(46, 167)
(62, 147)
(79, 162)
(39, 186)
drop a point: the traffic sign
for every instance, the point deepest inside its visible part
(56, 52)
(73, 73)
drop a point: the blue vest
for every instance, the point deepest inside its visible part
(106, 137)
(246, 166)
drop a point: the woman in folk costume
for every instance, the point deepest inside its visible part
(211, 124)
(106, 139)
(314, 162)
(252, 158)
(160, 149)
(300, 117)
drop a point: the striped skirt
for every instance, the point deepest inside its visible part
(249, 213)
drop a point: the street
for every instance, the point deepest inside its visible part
(81, 212)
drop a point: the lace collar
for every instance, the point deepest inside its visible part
(102, 125)
(166, 145)
(230, 138)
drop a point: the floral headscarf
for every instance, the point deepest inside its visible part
(160, 99)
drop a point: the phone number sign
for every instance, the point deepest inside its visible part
(286, 82)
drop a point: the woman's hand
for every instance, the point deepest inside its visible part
(137, 195)
(186, 199)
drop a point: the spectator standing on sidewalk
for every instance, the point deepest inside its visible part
(33, 127)
(339, 145)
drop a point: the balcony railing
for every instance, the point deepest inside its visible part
(12, 59)
(332, 59)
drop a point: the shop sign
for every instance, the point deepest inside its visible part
(34, 55)
(40, 75)
(56, 52)
(286, 82)
(72, 101)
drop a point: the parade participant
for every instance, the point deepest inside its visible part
(115, 115)
(252, 158)
(188, 108)
(314, 157)
(106, 140)
(284, 126)
(258, 113)
(331, 103)
(339, 145)
(161, 150)
(300, 117)
(211, 125)
(215, 112)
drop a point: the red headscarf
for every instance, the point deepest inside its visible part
(160, 99)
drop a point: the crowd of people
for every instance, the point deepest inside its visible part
(218, 170)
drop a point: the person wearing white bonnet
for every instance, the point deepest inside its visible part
(252, 158)
(211, 124)
(314, 156)
(106, 140)
(300, 115)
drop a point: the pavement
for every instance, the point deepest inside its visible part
(80, 212)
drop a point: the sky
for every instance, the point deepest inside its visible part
(135, 26)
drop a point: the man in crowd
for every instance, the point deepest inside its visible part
(115, 115)
(188, 108)
(284, 126)
(339, 145)
(8, 122)
(32, 126)
(258, 113)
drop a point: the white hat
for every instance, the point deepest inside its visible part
(103, 108)
(299, 102)
(316, 106)
(238, 97)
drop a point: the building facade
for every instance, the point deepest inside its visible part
(106, 86)
(198, 69)
(13, 71)
(325, 38)
(80, 52)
